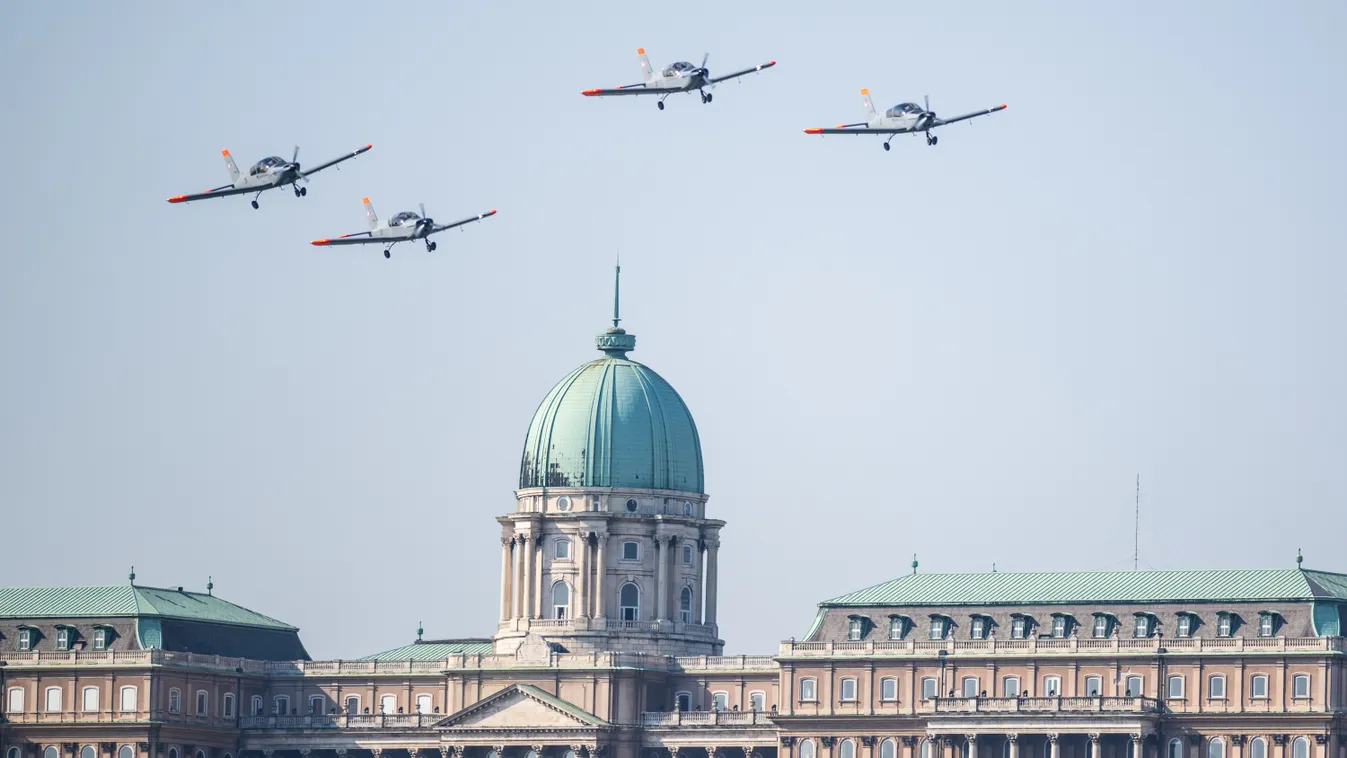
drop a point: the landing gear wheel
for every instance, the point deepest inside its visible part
(430, 246)
(254, 205)
(660, 104)
(708, 97)
(303, 191)
(934, 140)
(388, 253)
(886, 147)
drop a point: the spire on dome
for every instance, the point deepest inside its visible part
(615, 342)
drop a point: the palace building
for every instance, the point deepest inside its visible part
(607, 644)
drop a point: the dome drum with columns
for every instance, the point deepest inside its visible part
(609, 547)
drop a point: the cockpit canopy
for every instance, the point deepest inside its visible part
(267, 164)
(403, 218)
(904, 109)
(680, 68)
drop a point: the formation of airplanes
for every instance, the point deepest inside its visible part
(274, 172)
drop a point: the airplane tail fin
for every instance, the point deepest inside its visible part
(370, 216)
(646, 70)
(869, 105)
(229, 164)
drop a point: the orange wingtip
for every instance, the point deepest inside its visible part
(640, 51)
(771, 63)
(590, 92)
(815, 130)
(323, 241)
(865, 91)
(225, 153)
(177, 198)
(1003, 105)
(367, 147)
(492, 213)
(364, 200)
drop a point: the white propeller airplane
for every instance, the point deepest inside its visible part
(402, 227)
(268, 173)
(904, 118)
(676, 77)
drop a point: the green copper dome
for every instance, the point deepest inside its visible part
(613, 423)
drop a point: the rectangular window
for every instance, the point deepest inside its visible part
(895, 628)
(720, 701)
(1010, 686)
(1052, 686)
(1300, 686)
(128, 700)
(25, 639)
(15, 704)
(100, 639)
(1223, 625)
(1216, 688)
(90, 704)
(1142, 627)
(808, 690)
(423, 704)
(979, 629)
(1258, 687)
(62, 639)
(563, 550)
(854, 627)
(227, 707)
(1093, 686)
(1134, 687)
(631, 551)
(281, 705)
(970, 686)
(848, 690)
(1059, 626)
(929, 689)
(687, 555)
(257, 705)
(1265, 625)
(1185, 627)
(888, 689)
(174, 701)
(201, 705)
(1176, 688)
(757, 701)
(1018, 628)
(53, 700)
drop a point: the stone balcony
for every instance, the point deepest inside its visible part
(342, 721)
(1040, 705)
(1071, 646)
(612, 626)
(706, 719)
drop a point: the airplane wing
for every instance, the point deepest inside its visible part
(335, 161)
(224, 191)
(746, 71)
(626, 89)
(854, 130)
(469, 220)
(967, 116)
(359, 238)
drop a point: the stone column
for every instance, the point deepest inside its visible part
(973, 746)
(526, 578)
(661, 583)
(748, 751)
(1054, 750)
(585, 580)
(536, 545)
(1094, 745)
(601, 585)
(1014, 740)
(519, 582)
(712, 547)
(506, 580)
(1138, 745)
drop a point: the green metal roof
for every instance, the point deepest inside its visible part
(1007, 588)
(613, 423)
(127, 600)
(432, 651)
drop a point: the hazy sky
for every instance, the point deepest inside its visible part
(966, 352)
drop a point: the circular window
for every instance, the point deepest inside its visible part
(563, 504)
(631, 505)
(687, 509)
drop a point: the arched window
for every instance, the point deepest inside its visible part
(282, 705)
(50, 752)
(629, 602)
(848, 693)
(807, 749)
(809, 690)
(925, 749)
(685, 605)
(1175, 688)
(388, 704)
(227, 705)
(89, 700)
(888, 749)
(847, 749)
(202, 703)
(125, 751)
(1052, 686)
(13, 753)
(1135, 687)
(175, 700)
(757, 701)
(172, 752)
(15, 704)
(317, 704)
(1300, 748)
(201, 754)
(533, 754)
(1216, 687)
(1215, 748)
(929, 688)
(257, 705)
(352, 704)
(888, 690)
(1257, 748)
(1176, 748)
(684, 701)
(1300, 685)
(720, 701)
(1093, 686)
(1258, 686)
(87, 752)
(53, 704)
(423, 704)
(970, 686)
(561, 600)
(1010, 687)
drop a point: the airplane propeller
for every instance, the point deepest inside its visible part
(294, 165)
(929, 116)
(424, 220)
(702, 69)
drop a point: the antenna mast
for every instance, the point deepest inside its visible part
(1136, 526)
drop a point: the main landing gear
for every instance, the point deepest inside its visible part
(887, 141)
(255, 205)
(706, 97)
(388, 251)
(301, 191)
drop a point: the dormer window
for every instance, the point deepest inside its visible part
(1141, 625)
(1061, 625)
(25, 639)
(939, 627)
(1019, 627)
(63, 636)
(897, 627)
(1224, 624)
(978, 627)
(855, 628)
(1184, 627)
(100, 639)
(1267, 623)
(1103, 625)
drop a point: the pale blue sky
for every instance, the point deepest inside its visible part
(966, 351)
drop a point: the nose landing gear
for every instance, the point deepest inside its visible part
(706, 97)
(301, 191)
(931, 139)
(430, 246)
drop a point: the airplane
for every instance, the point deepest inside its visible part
(401, 227)
(268, 173)
(676, 77)
(904, 118)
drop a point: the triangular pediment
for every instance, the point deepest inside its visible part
(522, 706)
